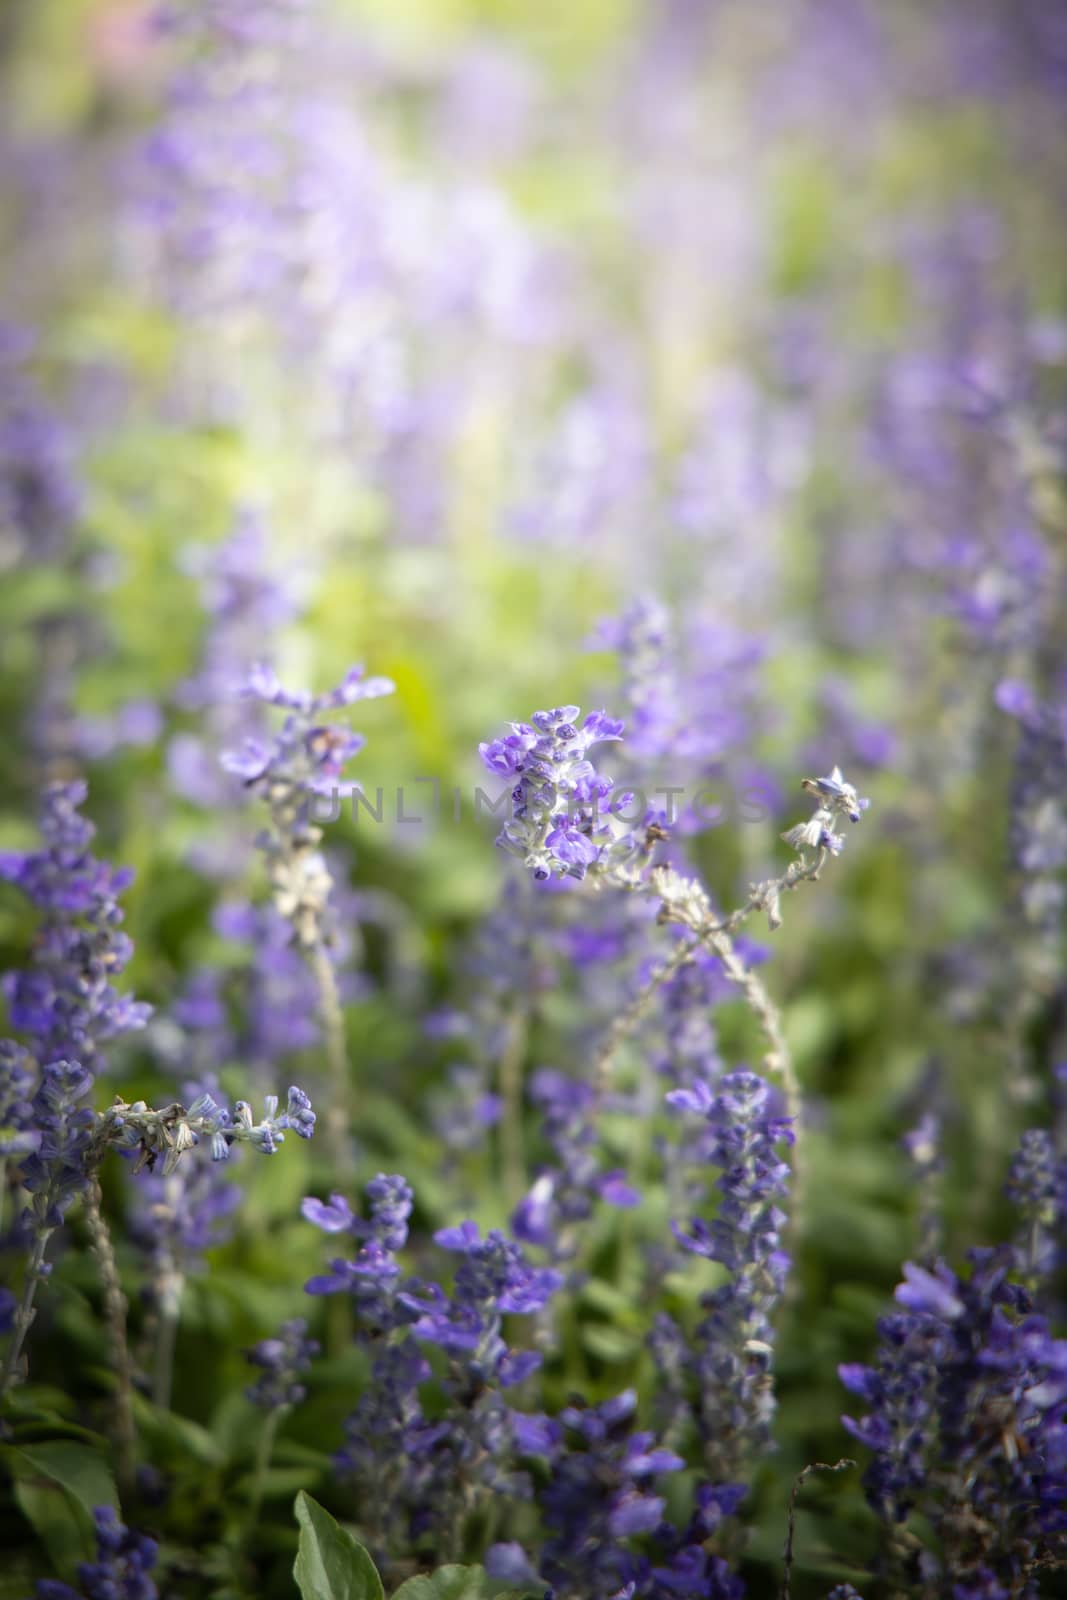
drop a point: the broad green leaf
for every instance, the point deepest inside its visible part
(330, 1564)
(454, 1583)
(58, 1485)
(76, 1468)
(61, 1523)
(178, 1438)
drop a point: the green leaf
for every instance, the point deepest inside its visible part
(176, 1438)
(454, 1583)
(62, 1525)
(609, 1344)
(330, 1564)
(81, 1471)
(58, 1484)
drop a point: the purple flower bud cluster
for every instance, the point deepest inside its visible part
(836, 798)
(283, 1361)
(389, 1440)
(166, 1135)
(18, 1079)
(667, 671)
(176, 1216)
(415, 1474)
(205, 219)
(601, 1494)
(121, 1571)
(728, 1363)
(557, 827)
(66, 1002)
(59, 1169)
(246, 603)
(968, 1423)
(1037, 1186)
(300, 766)
(1039, 814)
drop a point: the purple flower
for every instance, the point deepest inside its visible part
(933, 1292)
(121, 1570)
(283, 1361)
(18, 1073)
(557, 825)
(509, 1563)
(293, 773)
(967, 1421)
(67, 1002)
(599, 1496)
(727, 1367)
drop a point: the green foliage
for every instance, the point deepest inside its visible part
(455, 1583)
(57, 1485)
(330, 1564)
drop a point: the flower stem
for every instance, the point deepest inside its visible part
(115, 1309)
(25, 1313)
(798, 1483)
(338, 1118)
(264, 1454)
(763, 897)
(163, 1369)
(777, 1057)
(628, 1021)
(513, 1157)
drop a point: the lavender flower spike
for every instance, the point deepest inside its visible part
(282, 1362)
(121, 1571)
(169, 1133)
(557, 826)
(730, 1362)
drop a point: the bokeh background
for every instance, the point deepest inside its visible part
(697, 358)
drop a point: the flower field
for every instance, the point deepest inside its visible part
(533, 825)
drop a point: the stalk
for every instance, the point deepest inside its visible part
(338, 1119)
(512, 1150)
(25, 1312)
(264, 1453)
(115, 1310)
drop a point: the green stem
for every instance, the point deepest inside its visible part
(115, 1310)
(264, 1453)
(338, 1117)
(512, 1151)
(25, 1313)
(166, 1342)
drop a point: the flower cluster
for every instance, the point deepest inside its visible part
(417, 1475)
(389, 1441)
(729, 1362)
(968, 1423)
(246, 602)
(121, 1571)
(166, 1135)
(299, 768)
(557, 826)
(66, 1002)
(492, 1278)
(283, 1361)
(600, 1495)
(836, 798)
(1037, 1184)
(18, 1076)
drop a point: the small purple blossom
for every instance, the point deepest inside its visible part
(557, 825)
(729, 1361)
(283, 1360)
(121, 1570)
